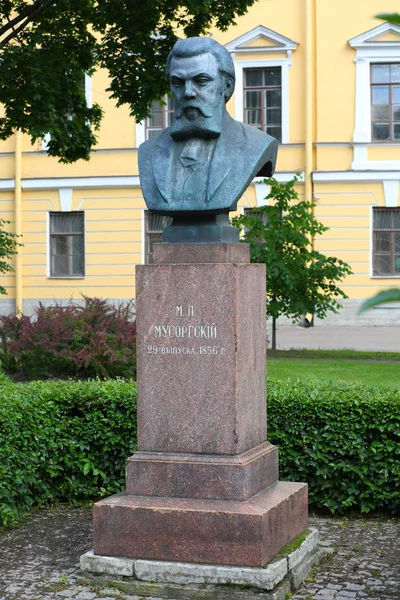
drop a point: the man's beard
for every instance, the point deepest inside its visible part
(194, 121)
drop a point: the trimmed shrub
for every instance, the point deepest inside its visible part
(63, 441)
(69, 441)
(343, 440)
(93, 340)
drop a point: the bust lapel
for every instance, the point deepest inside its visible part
(162, 165)
(223, 161)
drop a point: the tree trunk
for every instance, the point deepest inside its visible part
(273, 347)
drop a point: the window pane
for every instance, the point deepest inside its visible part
(397, 243)
(58, 265)
(161, 116)
(397, 264)
(60, 223)
(253, 117)
(77, 264)
(383, 219)
(380, 73)
(253, 77)
(396, 218)
(396, 112)
(396, 94)
(276, 132)
(273, 98)
(380, 113)
(155, 120)
(380, 94)
(382, 264)
(395, 73)
(253, 99)
(59, 245)
(380, 131)
(66, 222)
(396, 131)
(273, 116)
(156, 107)
(272, 76)
(383, 241)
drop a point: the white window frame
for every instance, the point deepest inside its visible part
(371, 241)
(280, 44)
(64, 208)
(369, 50)
(240, 66)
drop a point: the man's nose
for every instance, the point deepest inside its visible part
(189, 90)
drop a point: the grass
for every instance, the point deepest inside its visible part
(368, 373)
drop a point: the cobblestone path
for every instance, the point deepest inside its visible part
(40, 559)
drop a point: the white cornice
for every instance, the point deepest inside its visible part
(355, 176)
(368, 39)
(7, 185)
(52, 183)
(281, 43)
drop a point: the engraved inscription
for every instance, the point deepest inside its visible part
(188, 312)
(175, 350)
(167, 334)
(185, 331)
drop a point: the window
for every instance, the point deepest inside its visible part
(263, 100)
(160, 118)
(254, 212)
(386, 241)
(385, 101)
(67, 244)
(154, 225)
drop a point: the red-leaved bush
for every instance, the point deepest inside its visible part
(80, 341)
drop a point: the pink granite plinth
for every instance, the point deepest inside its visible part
(203, 486)
(215, 477)
(201, 357)
(201, 253)
(203, 531)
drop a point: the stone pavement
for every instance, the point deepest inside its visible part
(40, 559)
(385, 339)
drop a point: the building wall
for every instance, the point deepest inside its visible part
(350, 174)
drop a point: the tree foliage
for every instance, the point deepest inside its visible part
(8, 249)
(393, 18)
(300, 279)
(46, 46)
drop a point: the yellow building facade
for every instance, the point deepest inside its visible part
(323, 77)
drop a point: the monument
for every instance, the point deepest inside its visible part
(203, 486)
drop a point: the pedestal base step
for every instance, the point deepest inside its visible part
(212, 477)
(249, 533)
(278, 578)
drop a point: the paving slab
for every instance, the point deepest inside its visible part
(40, 559)
(382, 339)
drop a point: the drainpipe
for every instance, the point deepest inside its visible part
(18, 221)
(309, 120)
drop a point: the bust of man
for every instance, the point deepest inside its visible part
(201, 165)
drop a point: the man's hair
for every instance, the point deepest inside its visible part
(201, 45)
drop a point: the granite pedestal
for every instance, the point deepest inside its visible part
(203, 486)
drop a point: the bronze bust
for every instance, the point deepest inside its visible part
(197, 169)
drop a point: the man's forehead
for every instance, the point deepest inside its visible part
(192, 65)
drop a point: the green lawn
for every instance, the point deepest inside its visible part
(369, 373)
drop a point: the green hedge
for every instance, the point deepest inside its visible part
(63, 441)
(68, 441)
(343, 440)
